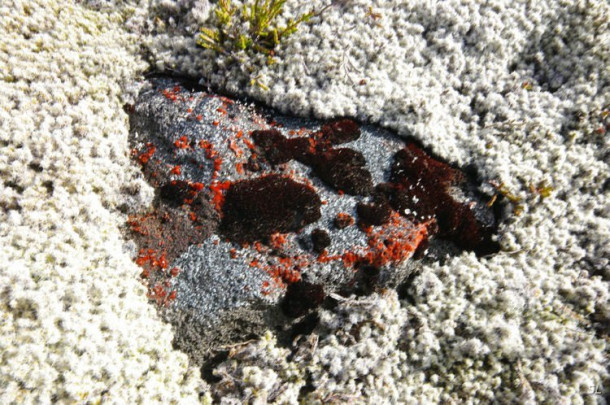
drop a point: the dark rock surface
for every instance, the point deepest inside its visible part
(258, 216)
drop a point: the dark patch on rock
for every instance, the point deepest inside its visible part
(340, 131)
(374, 214)
(320, 240)
(420, 190)
(302, 297)
(168, 231)
(48, 184)
(255, 209)
(175, 192)
(367, 280)
(279, 149)
(344, 169)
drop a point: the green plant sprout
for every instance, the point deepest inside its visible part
(249, 28)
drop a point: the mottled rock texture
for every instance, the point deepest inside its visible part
(244, 232)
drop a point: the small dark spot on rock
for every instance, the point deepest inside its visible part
(272, 144)
(320, 239)
(252, 165)
(255, 209)
(344, 169)
(278, 149)
(129, 108)
(302, 297)
(341, 131)
(374, 214)
(366, 280)
(15, 186)
(175, 192)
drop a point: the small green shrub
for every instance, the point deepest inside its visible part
(251, 28)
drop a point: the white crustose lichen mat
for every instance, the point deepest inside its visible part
(518, 89)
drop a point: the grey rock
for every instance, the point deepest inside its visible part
(196, 148)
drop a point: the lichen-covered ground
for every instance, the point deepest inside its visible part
(518, 89)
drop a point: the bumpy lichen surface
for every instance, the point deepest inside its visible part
(76, 325)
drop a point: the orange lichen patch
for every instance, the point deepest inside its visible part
(144, 157)
(174, 272)
(176, 170)
(203, 144)
(249, 144)
(343, 220)
(217, 166)
(199, 117)
(233, 253)
(285, 270)
(157, 293)
(395, 243)
(215, 123)
(222, 111)
(197, 186)
(391, 244)
(218, 188)
(182, 143)
(162, 261)
(312, 145)
(277, 240)
(148, 257)
(173, 94)
(239, 167)
(236, 149)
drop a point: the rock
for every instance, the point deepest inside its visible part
(254, 212)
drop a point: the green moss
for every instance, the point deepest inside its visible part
(251, 27)
(243, 32)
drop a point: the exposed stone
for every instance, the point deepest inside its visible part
(248, 202)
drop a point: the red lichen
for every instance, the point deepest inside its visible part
(343, 220)
(182, 143)
(145, 157)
